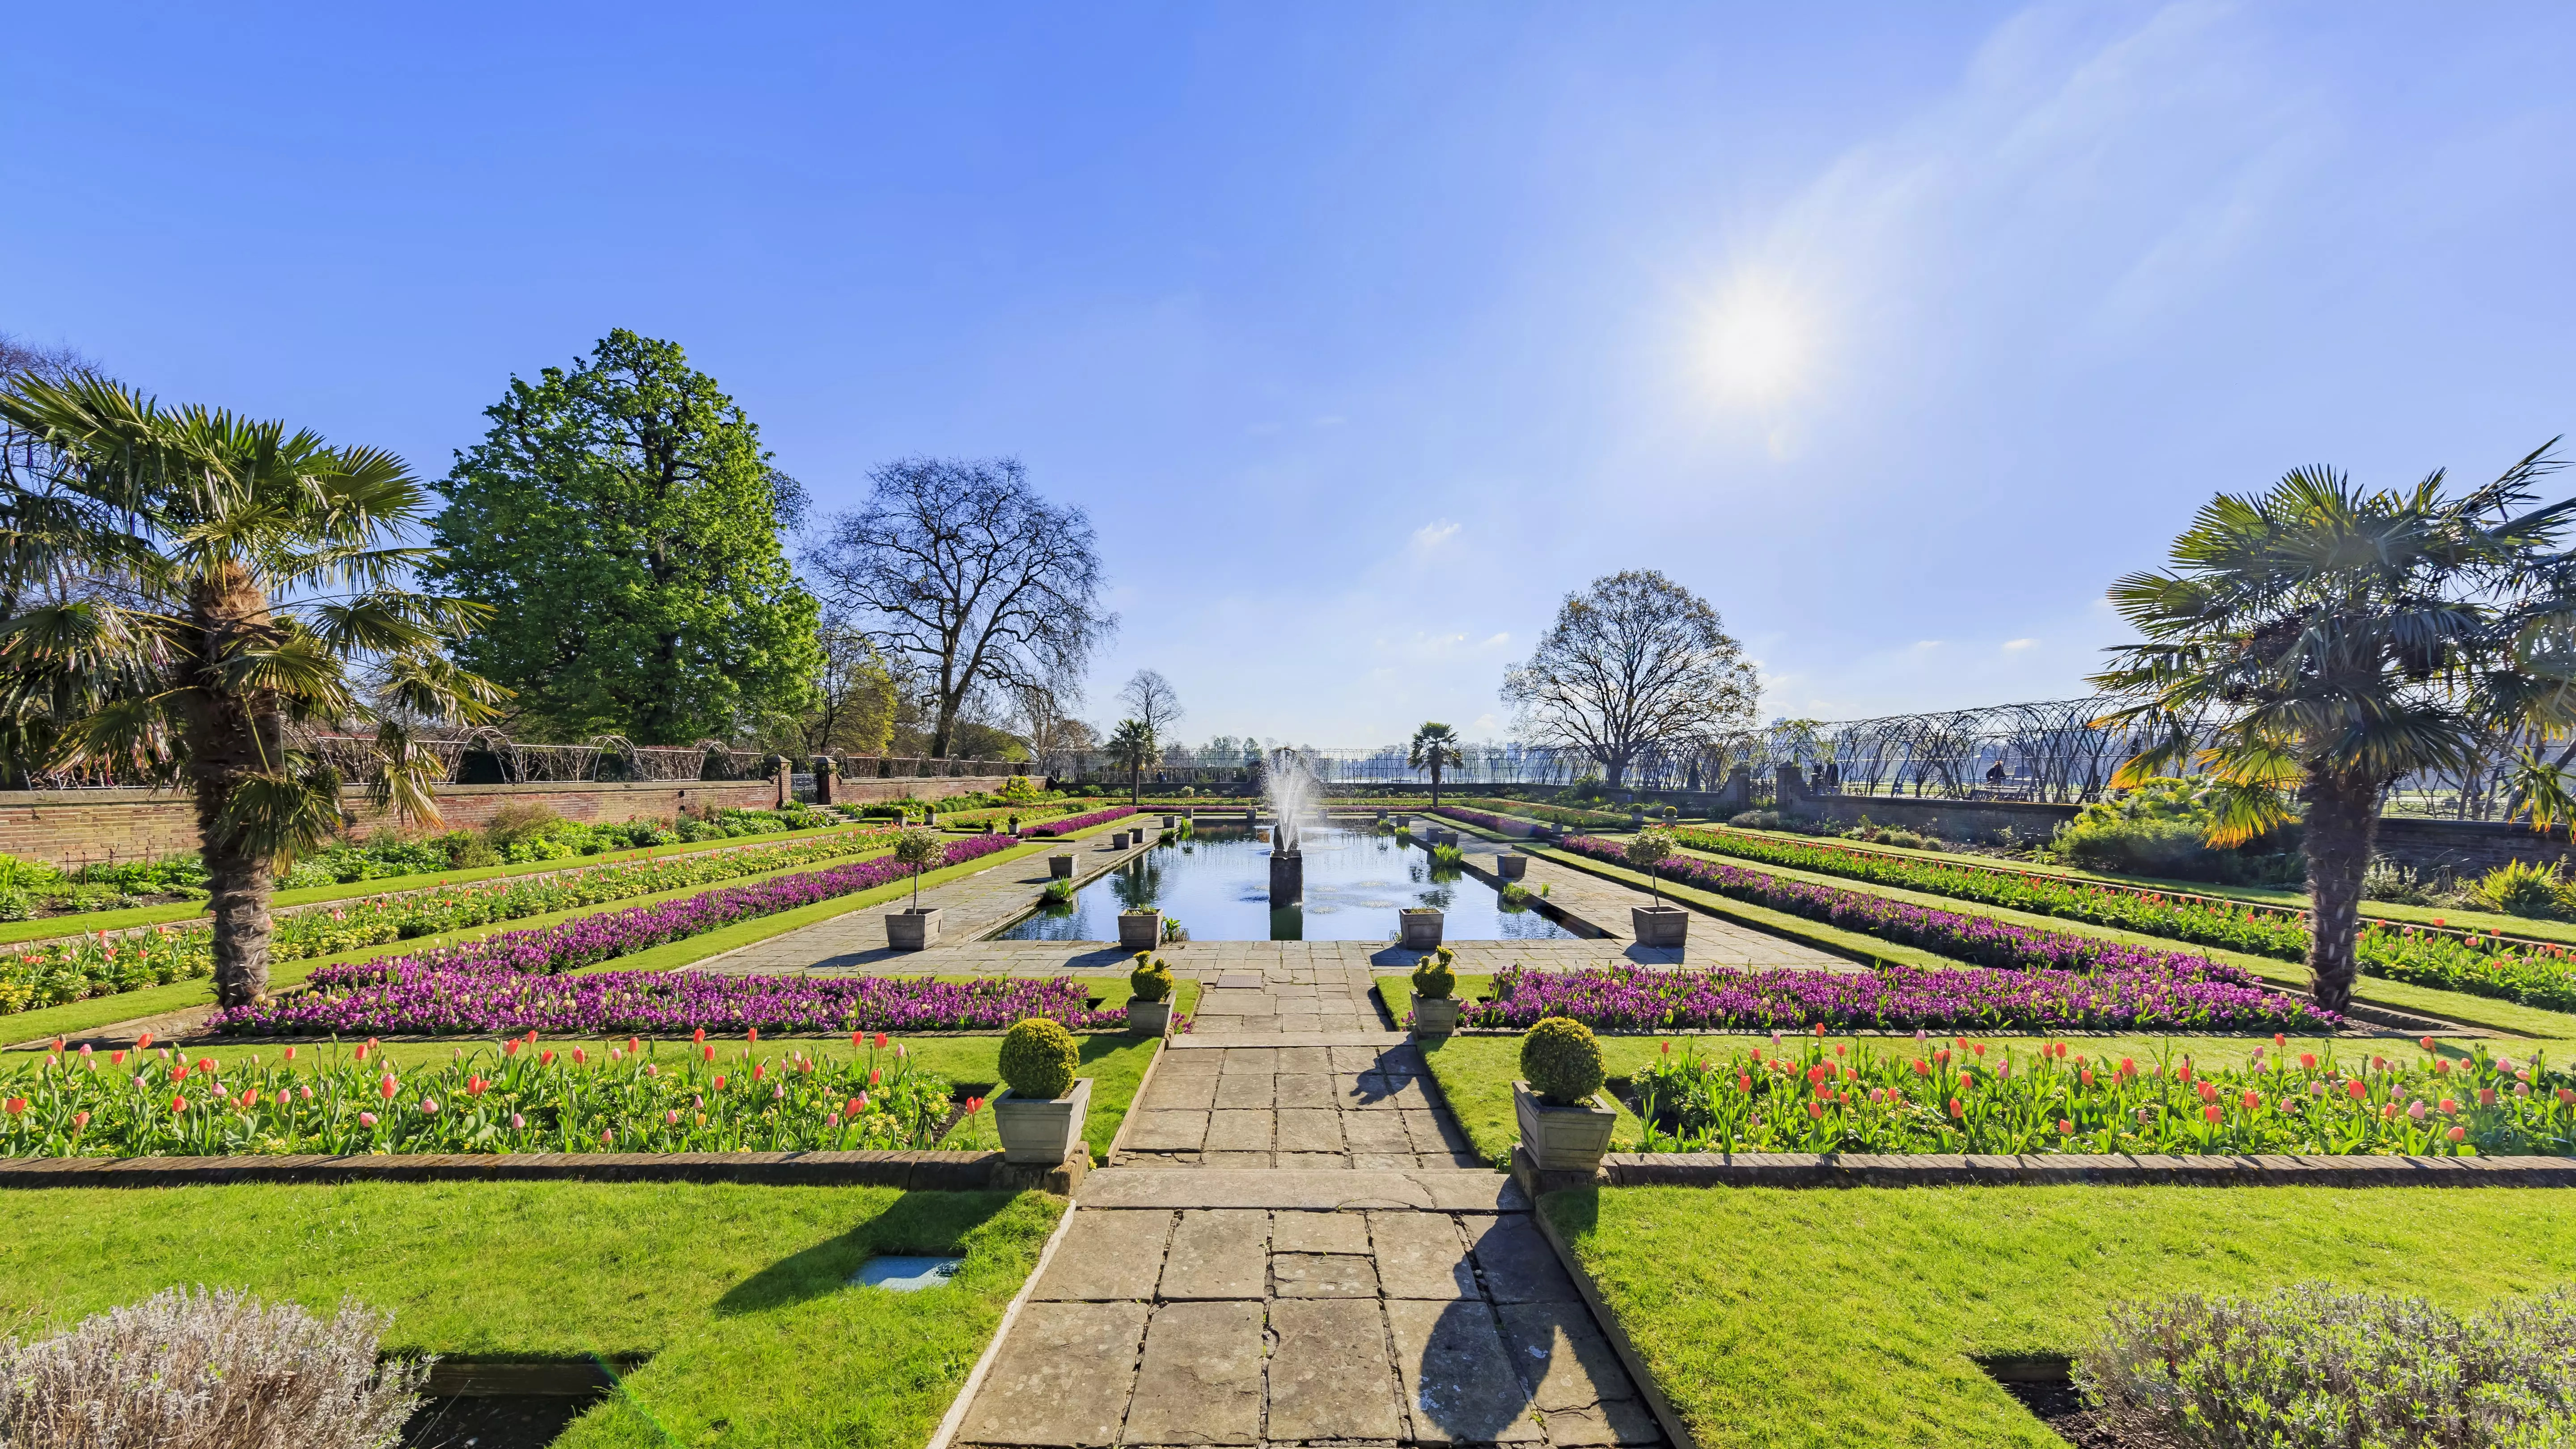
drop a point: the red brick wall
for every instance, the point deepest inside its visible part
(75, 827)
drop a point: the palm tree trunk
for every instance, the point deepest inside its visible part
(230, 736)
(1435, 784)
(2343, 824)
(238, 887)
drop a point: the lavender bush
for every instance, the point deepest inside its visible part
(208, 1370)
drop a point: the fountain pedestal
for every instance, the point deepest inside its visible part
(1287, 877)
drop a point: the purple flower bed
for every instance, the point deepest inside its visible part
(1080, 822)
(432, 998)
(552, 950)
(1483, 821)
(1632, 998)
(1980, 940)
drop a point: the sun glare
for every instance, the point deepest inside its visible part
(1759, 343)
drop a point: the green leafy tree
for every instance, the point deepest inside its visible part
(195, 597)
(1435, 748)
(2322, 642)
(1132, 744)
(622, 521)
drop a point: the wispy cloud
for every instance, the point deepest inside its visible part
(1431, 535)
(2012, 644)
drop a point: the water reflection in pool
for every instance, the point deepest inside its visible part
(1217, 885)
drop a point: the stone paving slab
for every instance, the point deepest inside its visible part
(1063, 1376)
(1219, 1253)
(1516, 1262)
(1107, 1255)
(1332, 1373)
(1421, 1255)
(1431, 1189)
(1459, 1383)
(1201, 1381)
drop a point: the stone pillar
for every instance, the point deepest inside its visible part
(1788, 788)
(827, 772)
(1287, 877)
(783, 771)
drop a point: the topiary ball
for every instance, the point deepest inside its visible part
(1038, 1058)
(1432, 978)
(1561, 1062)
(1152, 980)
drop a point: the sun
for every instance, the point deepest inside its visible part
(1759, 342)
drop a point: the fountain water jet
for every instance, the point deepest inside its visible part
(1292, 789)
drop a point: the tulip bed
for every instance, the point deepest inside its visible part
(430, 997)
(1981, 940)
(2534, 974)
(642, 1097)
(1054, 828)
(1964, 1097)
(76, 969)
(2182, 994)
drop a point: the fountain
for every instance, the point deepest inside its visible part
(1291, 789)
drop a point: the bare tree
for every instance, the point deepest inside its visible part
(1057, 741)
(1150, 698)
(962, 569)
(1632, 663)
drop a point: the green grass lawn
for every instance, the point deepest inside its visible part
(98, 1011)
(1475, 1072)
(48, 927)
(1779, 1318)
(739, 1294)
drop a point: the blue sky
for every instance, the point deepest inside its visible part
(1365, 332)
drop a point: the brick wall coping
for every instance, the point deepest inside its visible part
(913, 1171)
(1808, 1170)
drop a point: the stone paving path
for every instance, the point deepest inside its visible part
(1293, 1246)
(969, 906)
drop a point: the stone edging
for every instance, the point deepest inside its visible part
(1809, 1170)
(913, 1171)
(1675, 1428)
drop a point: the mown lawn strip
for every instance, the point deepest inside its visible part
(1785, 1318)
(739, 1294)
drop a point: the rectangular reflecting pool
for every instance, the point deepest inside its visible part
(1217, 886)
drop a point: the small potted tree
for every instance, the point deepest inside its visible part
(914, 929)
(1149, 1011)
(1435, 1007)
(1041, 1110)
(1140, 929)
(1565, 1126)
(1658, 924)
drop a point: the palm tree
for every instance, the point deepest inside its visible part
(2321, 641)
(1132, 744)
(189, 594)
(1435, 747)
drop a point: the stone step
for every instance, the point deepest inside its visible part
(1218, 1040)
(1325, 1190)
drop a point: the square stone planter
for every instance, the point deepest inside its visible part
(1118, 841)
(1060, 866)
(1041, 1130)
(1421, 927)
(1167, 822)
(1511, 865)
(1149, 1018)
(1562, 1139)
(1666, 926)
(912, 930)
(1435, 1015)
(1140, 930)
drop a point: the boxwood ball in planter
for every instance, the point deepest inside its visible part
(1435, 1007)
(1040, 1113)
(1150, 1010)
(1564, 1125)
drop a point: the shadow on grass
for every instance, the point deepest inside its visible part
(935, 1224)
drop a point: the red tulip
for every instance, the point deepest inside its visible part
(974, 1105)
(178, 1105)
